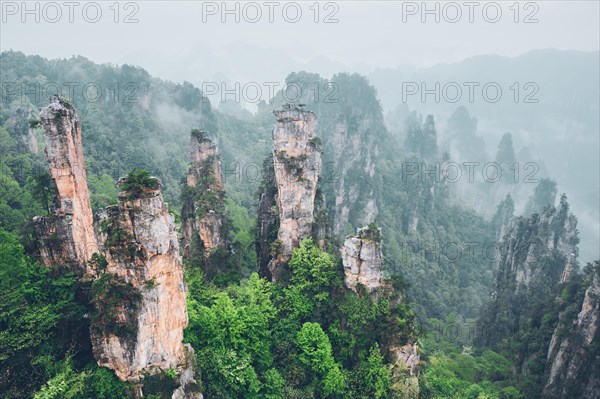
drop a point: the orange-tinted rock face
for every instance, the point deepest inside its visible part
(142, 331)
(146, 256)
(67, 237)
(297, 164)
(203, 209)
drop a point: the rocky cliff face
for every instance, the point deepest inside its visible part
(203, 207)
(362, 259)
(66, 238)
(352, 129)
(139, 241)
(536, 258)
(354, 150)
(538, 250)
(503, 217)
(138, 288)
(296, 165)
(351, 125)
(573, 355)
(406, 369)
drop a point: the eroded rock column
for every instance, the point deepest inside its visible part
(203, 203)
(573, 366)
(297, 164)
(67, 237)
(142, 302)
(136, 274)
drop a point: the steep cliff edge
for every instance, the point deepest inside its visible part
(537, 252)
(140, 296)
(573, 367)
(203, 214)
(296, 165)
(66, 238)
(537, 260)
(535, 255)
(363, 266)
(354, 150)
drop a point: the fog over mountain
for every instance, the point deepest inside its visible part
(559, 131)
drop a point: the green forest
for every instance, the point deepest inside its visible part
(452, 273)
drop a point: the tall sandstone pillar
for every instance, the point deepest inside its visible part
(67, 237)
(140, 243)
(138, 286)
(203, 207)
(297, 164)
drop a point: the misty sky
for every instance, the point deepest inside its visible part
(171, 40)
(178, 41)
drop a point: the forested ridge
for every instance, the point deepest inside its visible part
(480, 334)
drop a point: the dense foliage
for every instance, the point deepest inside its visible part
(137, 181)
(44, 336)
(309, 338)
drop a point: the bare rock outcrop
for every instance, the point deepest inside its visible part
(143, 332)
(525, 251)
(354, 151)
(137, 277)
(203, 214)
(268, 219)
(297, 164)
(67, 237)
(536, 256)
(406, 369)
(362, 259)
